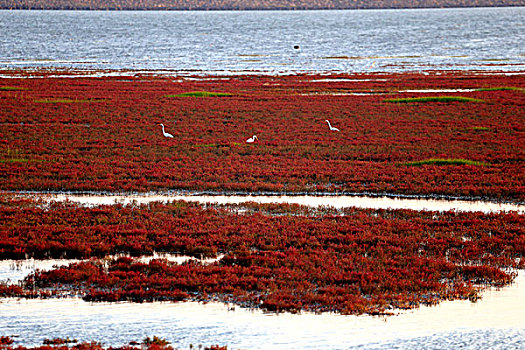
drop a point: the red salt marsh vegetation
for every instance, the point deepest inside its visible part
(274, 257)
(155, 343)
(103, 134)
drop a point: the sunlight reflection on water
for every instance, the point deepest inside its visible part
(494, 321)
(335, 201)
(14, 271)
(498, 315)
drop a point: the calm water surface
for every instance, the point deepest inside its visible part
(336, 201)
(495, 322)
(263, 41)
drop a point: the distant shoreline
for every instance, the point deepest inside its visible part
(249, 5)
(255, 9)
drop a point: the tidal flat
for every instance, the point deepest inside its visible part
(269, 260)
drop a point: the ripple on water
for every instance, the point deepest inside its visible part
(462, 339)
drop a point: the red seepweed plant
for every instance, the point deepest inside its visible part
(103, 134)
(274, 257)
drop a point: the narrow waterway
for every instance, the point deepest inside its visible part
(336, 201)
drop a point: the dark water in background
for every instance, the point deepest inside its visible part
(263, 41)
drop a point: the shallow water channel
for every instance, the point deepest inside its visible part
(495, 321)
(336, 201)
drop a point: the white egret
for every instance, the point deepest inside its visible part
(166, 134)
(252, 139)
(331, 127)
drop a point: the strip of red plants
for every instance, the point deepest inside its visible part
(156, 343)
(276, 257)
(103, 134)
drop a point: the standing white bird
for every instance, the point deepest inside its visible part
(331, 127)
(166, 134)
(252, 139)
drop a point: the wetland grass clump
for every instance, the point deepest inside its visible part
(445, 161)
(12, 88)
(63, 100)
(59, 341)
(13, 156)
(155, 341)
(14, 160)
(201, 94)
(479, 128)
(502, 88)
(207, 145)
(433, 99)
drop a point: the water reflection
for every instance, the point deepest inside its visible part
(498, 315)
(13, 271)
(495, 320)
(336, 201)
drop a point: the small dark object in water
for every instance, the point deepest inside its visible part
(296, 47)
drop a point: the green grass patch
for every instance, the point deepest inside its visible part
(64, 100)
(502, 88)
(201, 94)
(479, 128)
(12, 88)
(441, 161)
(207, 145)
(433, 99)
(14, 160)
(218, 145)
